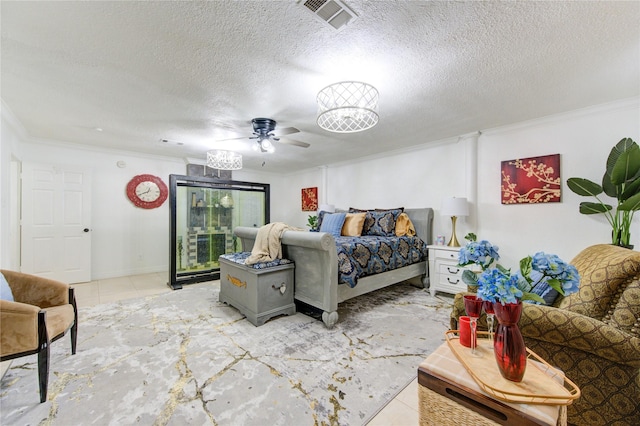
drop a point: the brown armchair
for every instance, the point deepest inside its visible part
(43, 311)
(592, 335)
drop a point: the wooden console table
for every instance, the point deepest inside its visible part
(448, 395)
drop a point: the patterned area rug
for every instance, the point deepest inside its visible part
(185, 358)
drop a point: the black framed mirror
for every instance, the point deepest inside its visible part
(203, 213)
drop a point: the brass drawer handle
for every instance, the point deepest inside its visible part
(236, 281)
(282, 287)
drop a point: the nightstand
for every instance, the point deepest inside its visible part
(444, 273)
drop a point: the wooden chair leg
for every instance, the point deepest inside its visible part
(74, 327)
(74, 337)
(43, 355)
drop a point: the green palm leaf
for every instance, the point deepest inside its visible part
(631, 204)
(631, 189)
(584, 187)
(624, 145)
(627, 166)
(621, 181)
(609, 188)
(594, 208)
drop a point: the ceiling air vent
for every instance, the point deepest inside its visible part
(332, 12)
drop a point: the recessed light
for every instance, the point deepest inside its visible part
(98, 129)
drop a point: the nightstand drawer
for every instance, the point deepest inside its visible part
(450, 281)
(446, 254)
(450, 269)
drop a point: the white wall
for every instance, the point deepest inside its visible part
(11, 136)
(422, 177)
(125, 239)
(583, 139)
(286, 204)
(411, 178)
(128, 240)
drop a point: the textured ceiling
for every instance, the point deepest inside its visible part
(197, 72)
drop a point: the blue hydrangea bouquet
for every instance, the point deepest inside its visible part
(537, 276)
(481, 253)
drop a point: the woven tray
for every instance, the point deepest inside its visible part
(541, 384)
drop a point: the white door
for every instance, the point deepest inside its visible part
(56, 222)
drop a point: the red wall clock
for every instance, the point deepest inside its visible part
(147, 191)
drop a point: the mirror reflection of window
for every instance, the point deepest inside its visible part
(204, 213)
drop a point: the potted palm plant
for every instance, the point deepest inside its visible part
(621, 181)
(312, 222)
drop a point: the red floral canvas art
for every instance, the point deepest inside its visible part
(531, 180)
(309, 199)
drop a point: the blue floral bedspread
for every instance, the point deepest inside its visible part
(241, 257)
(369, 255)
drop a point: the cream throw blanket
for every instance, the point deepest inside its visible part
(267, 246)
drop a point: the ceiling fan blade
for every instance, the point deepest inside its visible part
(294, 142)
(236, 139)
(263, 132)
(286, 131)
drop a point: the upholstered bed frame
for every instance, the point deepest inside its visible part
(316, 266)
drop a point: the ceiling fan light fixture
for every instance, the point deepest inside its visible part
(266, 145)
(224, 160)
(348, 107)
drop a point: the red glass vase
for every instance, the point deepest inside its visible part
(508, 343)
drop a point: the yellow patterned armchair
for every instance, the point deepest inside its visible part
(592, 335)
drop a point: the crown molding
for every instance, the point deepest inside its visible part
(619, 105)
(10, 118)
(100, 150)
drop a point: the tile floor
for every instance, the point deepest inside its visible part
(401, 411)
(114, 289)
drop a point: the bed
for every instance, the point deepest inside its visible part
(316, 265)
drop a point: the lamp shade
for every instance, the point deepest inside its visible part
(347, 107)
(454, 206)
(329, 208)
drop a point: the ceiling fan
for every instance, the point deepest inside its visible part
(264, 131)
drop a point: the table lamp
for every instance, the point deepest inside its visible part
(329, 208)
(454, 207)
